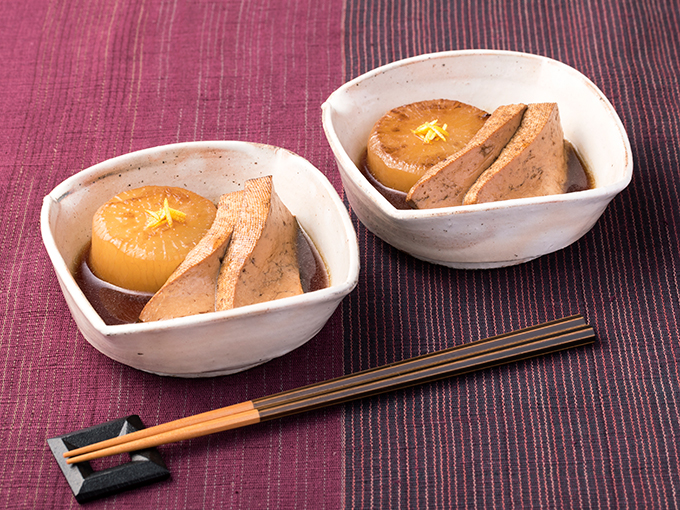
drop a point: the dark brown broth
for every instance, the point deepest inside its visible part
(579, 178)
(313, 272)
(116, 305)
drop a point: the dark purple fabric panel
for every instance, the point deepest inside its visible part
(82, 81)
(593, 428)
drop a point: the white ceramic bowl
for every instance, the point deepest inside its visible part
(481, 235)
(221, 342)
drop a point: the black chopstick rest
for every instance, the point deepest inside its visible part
(145, 466)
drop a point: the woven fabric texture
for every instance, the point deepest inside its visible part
(592, 428)
(597, 427)
(86, 81)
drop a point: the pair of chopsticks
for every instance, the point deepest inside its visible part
(525, 343)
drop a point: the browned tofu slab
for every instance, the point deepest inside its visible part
(190, 289)
(532, 164)
(446, 183)
(261, 262)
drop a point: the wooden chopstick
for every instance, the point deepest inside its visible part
(528, 342)
(370, 375)
(574, 338)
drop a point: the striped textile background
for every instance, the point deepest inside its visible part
(85, 80)
(595, 428)
(82, 81)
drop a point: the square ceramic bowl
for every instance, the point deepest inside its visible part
(493, 234)
(221, 342)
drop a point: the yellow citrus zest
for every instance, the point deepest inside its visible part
(164, 215)
(430, 131)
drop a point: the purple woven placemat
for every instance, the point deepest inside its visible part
(82, 81)
(592, 428)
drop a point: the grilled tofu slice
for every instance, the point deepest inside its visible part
(533, 163)
(190, 289)
(446, 183)
(261, 262)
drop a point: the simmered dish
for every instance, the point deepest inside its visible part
(249, 250)
(517, 151)
(448, 182)
(191, 288)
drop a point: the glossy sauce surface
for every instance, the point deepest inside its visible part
(116, 305)
(578, 179)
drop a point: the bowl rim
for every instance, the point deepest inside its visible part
(330, 293)
(349, 167)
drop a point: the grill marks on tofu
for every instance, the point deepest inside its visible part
(249, 255)
(190, 289)
(261, 262)
(532, 164)
(446, 183)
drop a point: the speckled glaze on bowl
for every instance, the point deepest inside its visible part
(222, 342)
(481, 235)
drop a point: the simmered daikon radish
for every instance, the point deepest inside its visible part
(140, 236)
(407, 141)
